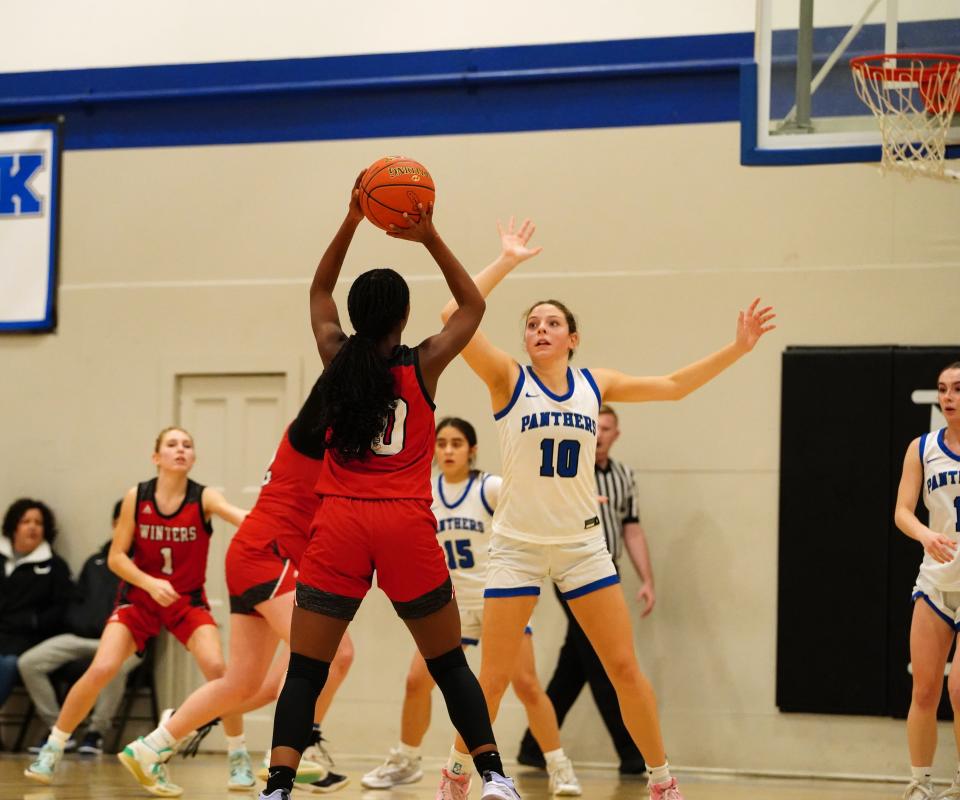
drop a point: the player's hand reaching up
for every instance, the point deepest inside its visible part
(514, 244)
(752, 324)
(419, 231)
(354, 212)
(162, 591)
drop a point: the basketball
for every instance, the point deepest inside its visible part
(394, 185)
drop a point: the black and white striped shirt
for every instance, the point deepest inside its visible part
(617, 484)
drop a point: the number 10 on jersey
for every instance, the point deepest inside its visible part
(567, 459)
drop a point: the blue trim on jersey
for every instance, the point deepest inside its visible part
(462, 497)
(547, 392)
(593, 385)
(923, 446)
(513, 400)
(483, 497)
(603, 583)
(953, 625)
(942, 441)
(464, 641)
(520, 591)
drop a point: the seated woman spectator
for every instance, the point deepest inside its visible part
(35, 584)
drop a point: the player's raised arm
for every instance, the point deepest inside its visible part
(752, 324)
(440, 349)
(324, 317)
(492, 365)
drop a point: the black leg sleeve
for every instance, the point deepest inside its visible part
(466, 704)
(293, 721)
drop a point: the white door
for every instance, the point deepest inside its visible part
(236, 422)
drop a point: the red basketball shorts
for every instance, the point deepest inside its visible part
(256, 571)
(353, 538)
(145, 617)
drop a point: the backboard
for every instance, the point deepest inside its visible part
(799, 105)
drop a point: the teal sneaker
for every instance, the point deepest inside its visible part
(241, 771)
(43, 768)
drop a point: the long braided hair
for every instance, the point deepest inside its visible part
(357, 390)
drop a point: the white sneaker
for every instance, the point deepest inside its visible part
(42, 769)
(952, 792)
(148, 768)
(498, 787)
(563, 780)
(276, 794)
(241, 771)
(397, 770)
(919, 790)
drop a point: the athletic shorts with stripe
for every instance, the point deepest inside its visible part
(353, 538)
(145, 617)
(517, 567)
(471, 625)
(945, 605)
(256, 572)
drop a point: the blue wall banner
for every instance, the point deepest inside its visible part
(29, 226)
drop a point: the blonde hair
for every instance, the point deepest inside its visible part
(165, 431)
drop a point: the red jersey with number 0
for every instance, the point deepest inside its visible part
(398, 464)
(172, 547)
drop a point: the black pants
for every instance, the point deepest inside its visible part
(577, 665)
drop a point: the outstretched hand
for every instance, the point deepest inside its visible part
(421, 230)
(354, 212)
(514, 244)
(752, 324)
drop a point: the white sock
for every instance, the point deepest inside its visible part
(59, 737)
(921, 773)
(459, 763)
(408, 751)
(236, 743)
(552, 757)
(660, 774)
(159, 739)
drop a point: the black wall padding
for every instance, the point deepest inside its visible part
(845, 571)
(834, 504)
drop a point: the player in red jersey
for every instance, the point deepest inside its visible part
(375, 417)
(261, 567)
(166, 522)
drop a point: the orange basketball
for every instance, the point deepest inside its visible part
(392, 185)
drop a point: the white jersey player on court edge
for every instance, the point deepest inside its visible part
(931, 467)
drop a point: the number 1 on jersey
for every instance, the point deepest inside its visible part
(167, 553)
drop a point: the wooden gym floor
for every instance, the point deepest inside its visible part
(204, 778)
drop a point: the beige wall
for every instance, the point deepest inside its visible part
(654, 235)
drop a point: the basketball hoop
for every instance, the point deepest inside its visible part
(914, 96)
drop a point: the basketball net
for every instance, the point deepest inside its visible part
(914, 97)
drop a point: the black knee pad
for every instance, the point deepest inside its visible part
(441, 665)
(311, 670)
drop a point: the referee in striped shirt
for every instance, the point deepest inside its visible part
(578, 663)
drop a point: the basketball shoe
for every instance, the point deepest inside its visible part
(45, 765)
(563, 780)
(241, 771)
(498, 787)
(397, 770)
(665, 791)
(148, 767)
(453, 787)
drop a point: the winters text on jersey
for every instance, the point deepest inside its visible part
(167, 533)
